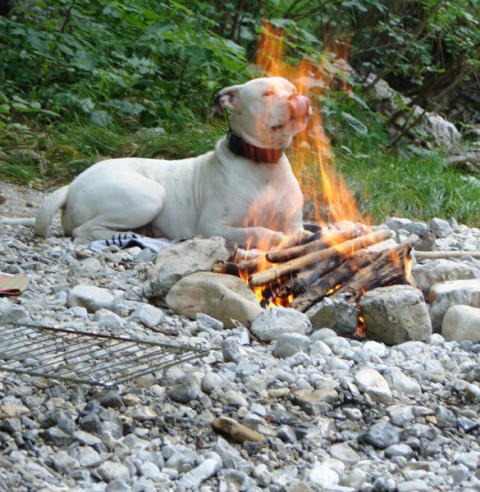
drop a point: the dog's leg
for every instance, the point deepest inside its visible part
(249, 236)
(92, 231)
(122, 210)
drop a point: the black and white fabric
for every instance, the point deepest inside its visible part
(130, 240)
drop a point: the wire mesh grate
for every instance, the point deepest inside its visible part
(83, 357)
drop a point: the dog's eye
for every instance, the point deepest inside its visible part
(268, 92)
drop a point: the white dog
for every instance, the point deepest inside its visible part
(245, 190)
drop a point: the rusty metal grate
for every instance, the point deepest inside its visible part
(84, 357)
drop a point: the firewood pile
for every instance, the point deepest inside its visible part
(344, 261)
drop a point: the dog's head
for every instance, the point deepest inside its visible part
(267, 112)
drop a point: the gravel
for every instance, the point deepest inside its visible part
(301, 412)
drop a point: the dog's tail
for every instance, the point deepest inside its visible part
(50, 206)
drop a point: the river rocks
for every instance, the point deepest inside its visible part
(440, 228)
(275, 321)
(442, 270)
(332, 413)
(462, 323)
(289, 344)
(412, 227)
(445, 294)
(90, 297)
(396, 314)
(182, 259)
(380, 435)
(223, 297)
(372, 383)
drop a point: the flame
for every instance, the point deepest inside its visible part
(361, 326)
(312, 159)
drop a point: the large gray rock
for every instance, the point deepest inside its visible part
(440, 131)
(338, 314)
(468, 161)
(194, 478)
(442, 270)
(277, 320)
(432, 127)
(223, 297)
(182, 259)
(446, 294)
(413, 227)
(395, 314)
(462, 323)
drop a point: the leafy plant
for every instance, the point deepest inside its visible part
(82, 80)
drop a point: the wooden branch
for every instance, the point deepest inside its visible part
(389, 268)
(306, 278)
(299, 283)
(228, 267)
(328, 240)
(346, 248)
(336, 277)
(244, 267)
(434, 255)
(297, 239)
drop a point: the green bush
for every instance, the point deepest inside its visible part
(104, 62)
(81, 80)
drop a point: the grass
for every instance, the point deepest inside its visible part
(46, 157)
(416, 187)
(384, 182)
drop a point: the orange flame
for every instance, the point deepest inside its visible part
(362, 326)
(312, 160)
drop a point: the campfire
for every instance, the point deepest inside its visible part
(345, 256)
(347, 261)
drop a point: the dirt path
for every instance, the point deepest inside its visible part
(18, 200)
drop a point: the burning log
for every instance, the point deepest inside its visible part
(390, 267)
(303, 280)
(286, 254)
(307, 278)
(242, 268)
(332, 279)
(365, 270)
(344, 249)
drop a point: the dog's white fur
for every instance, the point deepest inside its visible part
(217, 193)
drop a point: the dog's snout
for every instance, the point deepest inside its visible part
(299, 106)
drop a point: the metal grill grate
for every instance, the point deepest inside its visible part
(83, 357)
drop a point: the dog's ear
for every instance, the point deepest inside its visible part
(225, 99)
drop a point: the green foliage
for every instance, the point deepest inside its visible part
(81, 80)
(111, 62)
(388, 182)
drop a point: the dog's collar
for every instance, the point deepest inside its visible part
(256, 154)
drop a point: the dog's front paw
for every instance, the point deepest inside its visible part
(278, 239)
(295, 239)
(301, 236)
